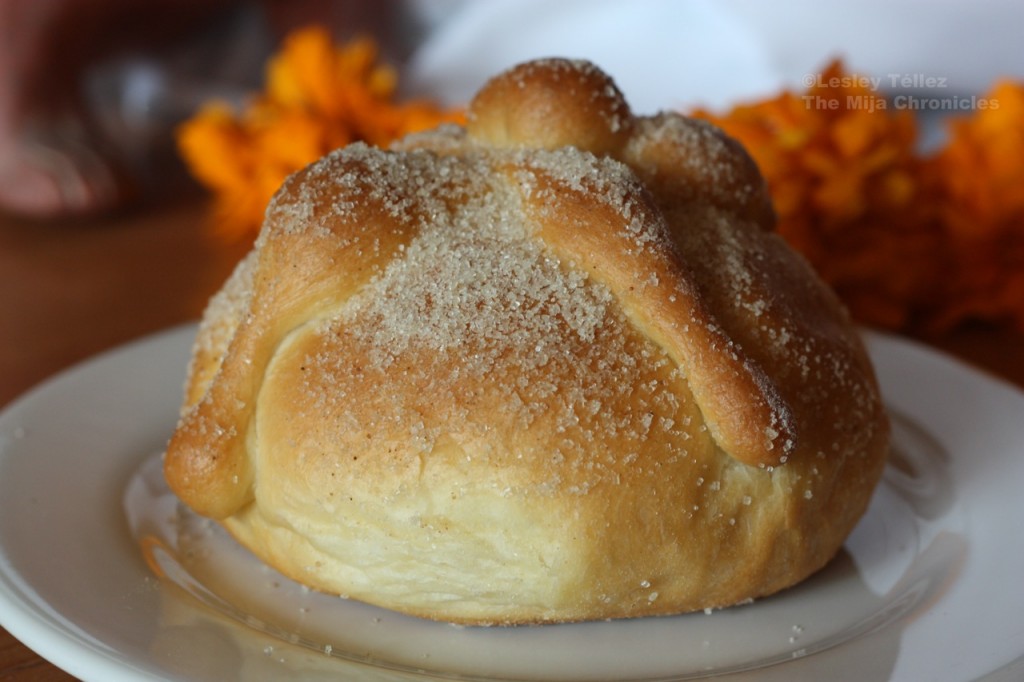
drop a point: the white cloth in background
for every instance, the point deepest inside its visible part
(676, 54)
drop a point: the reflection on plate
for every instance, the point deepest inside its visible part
(927, 587)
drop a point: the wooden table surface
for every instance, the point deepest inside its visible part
(72, 289)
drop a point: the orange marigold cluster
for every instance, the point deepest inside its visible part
(318, 96)
(979, 186)
(909, 240)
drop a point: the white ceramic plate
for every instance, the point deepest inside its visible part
(929, 587)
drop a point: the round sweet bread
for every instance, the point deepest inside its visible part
(550, 366)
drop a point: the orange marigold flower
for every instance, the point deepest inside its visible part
(979, 179)
(842, 169)
(318, 96)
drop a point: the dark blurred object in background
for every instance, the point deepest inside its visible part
(91, 90)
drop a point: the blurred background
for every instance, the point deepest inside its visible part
(91, 90)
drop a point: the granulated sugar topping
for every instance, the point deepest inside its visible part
(476, 311)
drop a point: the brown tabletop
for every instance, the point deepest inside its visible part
(74, 288)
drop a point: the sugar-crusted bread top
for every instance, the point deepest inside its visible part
(483, 237)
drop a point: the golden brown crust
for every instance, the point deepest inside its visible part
(553, 366)
(551, 104)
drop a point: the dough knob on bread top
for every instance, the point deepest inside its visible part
(552, 366)
(552, 104)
